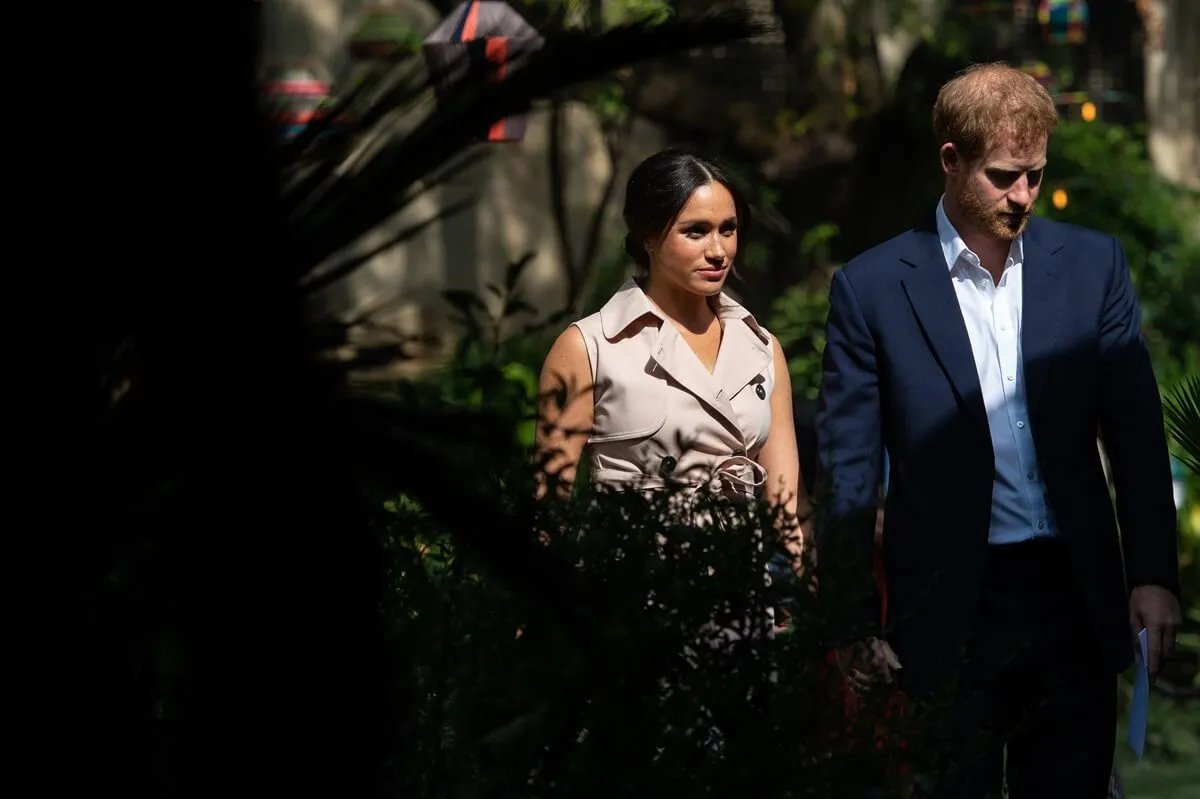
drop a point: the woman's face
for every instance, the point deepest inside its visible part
(697, 251)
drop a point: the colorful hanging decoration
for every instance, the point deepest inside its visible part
(295, 95)
(1064, 21)
(384, 35)
(481, 38)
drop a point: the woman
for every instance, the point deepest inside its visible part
(672, 380)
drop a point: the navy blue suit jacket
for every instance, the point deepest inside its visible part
(898, 373)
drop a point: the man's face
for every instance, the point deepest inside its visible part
(996, 192)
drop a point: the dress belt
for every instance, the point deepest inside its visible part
(736, 474)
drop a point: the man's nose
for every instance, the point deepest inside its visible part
(1021, 193)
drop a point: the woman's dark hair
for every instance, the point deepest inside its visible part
(658, 189)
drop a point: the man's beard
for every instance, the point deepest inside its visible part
(987, 219)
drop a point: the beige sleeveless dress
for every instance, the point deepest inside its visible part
(660, 415)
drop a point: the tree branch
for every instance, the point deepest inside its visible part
(616, 139)
(558, 202)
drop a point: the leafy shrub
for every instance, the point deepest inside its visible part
(798, 320)
(588, 689)
(1111, 185)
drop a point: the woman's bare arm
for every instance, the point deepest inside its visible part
(565, 408)
(781, 459)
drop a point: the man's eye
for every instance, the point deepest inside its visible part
(1035, 177)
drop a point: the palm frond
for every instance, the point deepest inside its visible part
(316, 281)
(1182, 411)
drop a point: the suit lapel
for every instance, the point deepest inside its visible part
(1042, 296)
(930, 291)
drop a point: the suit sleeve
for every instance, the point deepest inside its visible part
(849, 453)
(1131, 420)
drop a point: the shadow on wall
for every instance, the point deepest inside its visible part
(319, 30)
(396, 296)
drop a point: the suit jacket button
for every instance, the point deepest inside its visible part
(667, 466)
(760, 391)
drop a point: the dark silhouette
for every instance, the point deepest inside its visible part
(220, 577)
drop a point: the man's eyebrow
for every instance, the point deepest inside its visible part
(1016, 167)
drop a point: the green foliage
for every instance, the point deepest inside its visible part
(609, 13)
(618, 12)
(1148, 780)
(607, 100)
(797, 317)
(1182, 407)
(798, 320)
(1173, 734)
(1112, 186)
(1182, 411)
(621, 686)
(499, 357)
(493, 369)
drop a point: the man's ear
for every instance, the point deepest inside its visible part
(950, 159)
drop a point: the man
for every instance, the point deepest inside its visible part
(981, 353)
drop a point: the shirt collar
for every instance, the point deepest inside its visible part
(630, 303)
(953, 246)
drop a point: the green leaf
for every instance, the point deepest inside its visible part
(1182, 411)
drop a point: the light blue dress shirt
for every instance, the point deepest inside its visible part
(992, 313)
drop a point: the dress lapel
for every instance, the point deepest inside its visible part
(745, 349)
(930, 291)
(678, 360)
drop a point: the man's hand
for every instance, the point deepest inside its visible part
(1156, 609)
(867, 664)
